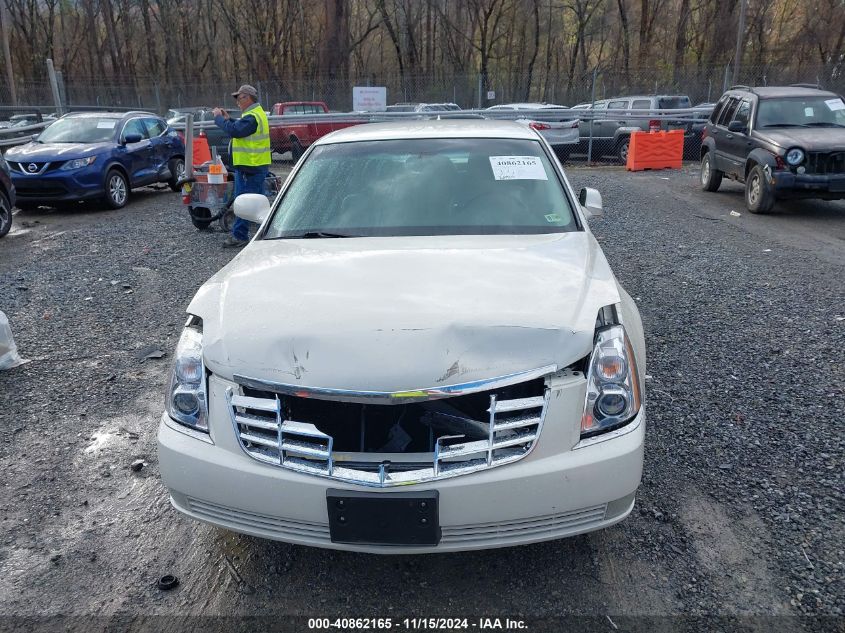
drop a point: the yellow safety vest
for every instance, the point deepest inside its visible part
(253, 150)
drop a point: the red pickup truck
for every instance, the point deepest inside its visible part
(296, 136)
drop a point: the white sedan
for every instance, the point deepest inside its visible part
(423, 349)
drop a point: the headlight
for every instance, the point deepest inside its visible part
(613, 388)
(795, 156)
(79, 163)
(186, 398)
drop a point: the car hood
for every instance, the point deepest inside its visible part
(394, 314)
(820, 139)
(45, 152)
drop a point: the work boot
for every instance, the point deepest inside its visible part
(233, 242)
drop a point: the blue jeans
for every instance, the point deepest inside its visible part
(252, 182)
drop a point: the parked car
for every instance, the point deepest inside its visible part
(355, 379)
(87, 155)
(7, 197)
(297, 136)
(781, 141)
(218, 140)
(611, 128)
(423, 107)
(558, 125)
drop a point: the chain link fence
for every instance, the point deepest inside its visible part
(700, 83)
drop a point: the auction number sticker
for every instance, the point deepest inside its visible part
(105, 125)
(518, 168)
(835, 104)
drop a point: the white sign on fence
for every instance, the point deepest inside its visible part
(491, 94)
(369, 98)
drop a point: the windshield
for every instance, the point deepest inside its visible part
(673, 103)
(424, 187)
(80, 130)
(801, 112)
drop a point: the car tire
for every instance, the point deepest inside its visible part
(117, 189)
(296, 149)
(198, 217)
(622, 149)
(711, 178)
(759, 197)
(177, 173)
(5, 214)
(227, 221)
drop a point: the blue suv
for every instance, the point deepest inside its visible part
(87, 155)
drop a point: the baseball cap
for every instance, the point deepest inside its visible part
(246, 89)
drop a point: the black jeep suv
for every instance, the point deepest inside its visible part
(782, 142)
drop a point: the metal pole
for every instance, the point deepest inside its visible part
(54, 84)
(189, 145)
(592, 114)
(479, 91)
(740, 31)
(10, 73)
(725, 80)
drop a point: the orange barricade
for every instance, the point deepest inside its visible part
(655, 150)
(202, 152)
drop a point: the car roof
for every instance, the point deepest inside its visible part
(529, 106)
(766, 92)
(110, 115)
(430, 128)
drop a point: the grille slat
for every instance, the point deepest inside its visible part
(503, 406)
(513, 427)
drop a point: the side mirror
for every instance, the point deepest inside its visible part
(590, 200)
(35, 136)
(737, 126)
(132, 138)
(253, 207)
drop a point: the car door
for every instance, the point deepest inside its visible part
(137, 157)
(161, 143)
(719, 132)
(607, 126)
(737, 144)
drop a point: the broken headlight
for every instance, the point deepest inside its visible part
(613, 388)
(186, 397)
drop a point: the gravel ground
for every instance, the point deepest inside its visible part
(740, 514)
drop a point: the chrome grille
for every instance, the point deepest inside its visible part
(513, 425)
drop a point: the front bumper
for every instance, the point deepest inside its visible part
(560, 489)
(791, 185)
(56, 186)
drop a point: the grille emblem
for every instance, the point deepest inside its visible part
(32, 167)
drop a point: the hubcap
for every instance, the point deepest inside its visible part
(180, 170)
(705, 170)
(623, 152)
(754, 190)
(117, 189)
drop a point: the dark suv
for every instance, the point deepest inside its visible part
(782, 142)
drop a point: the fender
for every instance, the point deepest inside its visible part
(625, 131)
(709, 145)
(760, 156)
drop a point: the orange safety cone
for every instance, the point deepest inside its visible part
(202, 152)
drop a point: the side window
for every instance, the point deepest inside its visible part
(717, 110)
(600, 105)
(727, 113)
(155, 127)
(617, 105)
(641, 104)
(134, 126)
(743, 112)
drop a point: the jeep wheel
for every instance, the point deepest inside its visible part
(117, 189)
(622, 150)
(759, 197)
(5, 215)
(710, 178)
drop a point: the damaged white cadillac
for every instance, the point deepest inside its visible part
(423, 349)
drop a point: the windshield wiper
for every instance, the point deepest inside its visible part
(824, 124)
(315, 235)
(785, 125)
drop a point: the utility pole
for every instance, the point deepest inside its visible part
(740, 31)
(10, 73)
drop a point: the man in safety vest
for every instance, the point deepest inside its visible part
(250, 152)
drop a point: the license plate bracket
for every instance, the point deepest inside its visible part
(395, 518)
